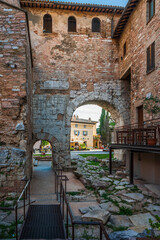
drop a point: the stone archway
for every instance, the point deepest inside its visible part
(116, 105)
(55, 149)
(115, 102)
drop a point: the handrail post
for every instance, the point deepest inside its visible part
(24, 209)
(67, 220)
(72, 230)
(63, 203)
(29, 192)
(100, 232)
(16, 222)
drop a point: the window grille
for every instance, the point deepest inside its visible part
(71, 24)
(96, 25)
(47, 23)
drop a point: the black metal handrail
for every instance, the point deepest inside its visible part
(64, 202)
(25, 192)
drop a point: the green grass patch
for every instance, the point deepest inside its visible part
(125, 211)
(93, 163)
(99, 156)
(89, 188)
(74, 193)
(41, 155)
(121, 228)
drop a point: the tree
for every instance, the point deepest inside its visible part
(106, 127)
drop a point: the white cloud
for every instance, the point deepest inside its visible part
(89, 111)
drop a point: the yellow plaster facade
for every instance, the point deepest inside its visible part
(82, 131)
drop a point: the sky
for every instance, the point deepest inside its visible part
(89, 110)
(104, 2)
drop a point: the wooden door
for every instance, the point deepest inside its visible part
(140, 116)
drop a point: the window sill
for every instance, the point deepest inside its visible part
(150, 19)
(148, 72)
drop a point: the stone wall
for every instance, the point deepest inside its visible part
(70, 70)
(15, 93)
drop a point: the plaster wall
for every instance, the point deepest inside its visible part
(147, 167)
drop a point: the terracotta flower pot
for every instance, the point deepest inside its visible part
(151, 141)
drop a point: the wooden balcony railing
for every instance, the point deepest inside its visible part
(147, 133)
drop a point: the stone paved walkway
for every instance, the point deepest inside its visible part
(42, 184)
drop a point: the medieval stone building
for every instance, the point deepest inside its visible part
(58, 56)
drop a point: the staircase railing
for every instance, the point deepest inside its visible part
(60, 191)
(24, 195)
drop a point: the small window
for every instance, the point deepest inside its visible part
(151, 57)
(96, 25)
(150, 9)
(71, 24)
(76, 125)
(84, 126)
(76, 132)
(85, 133)
(124, 49)
(47, 23)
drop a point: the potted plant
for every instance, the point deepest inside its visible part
(151, 105)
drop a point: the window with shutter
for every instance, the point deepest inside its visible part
(47, 23)
(96, 25)
(124, 49)
(150, 9)
(71, 24)
(151, 57)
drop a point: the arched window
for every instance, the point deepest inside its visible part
(71, 24)
(96, 25)
(47, 23)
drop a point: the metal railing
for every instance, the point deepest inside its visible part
(60, 190)
(147, 133)
(24, 195)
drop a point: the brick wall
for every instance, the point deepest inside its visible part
(139, 35)
(15, 92)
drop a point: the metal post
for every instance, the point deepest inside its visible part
(60, 194)
(100, 232)
(55, 181)
(67, 220)
(63, 203)
(110, 160)
(72, 231)
(16, 222)
(29, 190)
(131, 168)
(65, 186)
(24, 213)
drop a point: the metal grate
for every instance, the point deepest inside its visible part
(43, 222)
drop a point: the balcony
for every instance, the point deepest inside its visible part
(136, 138)
(146, 134)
